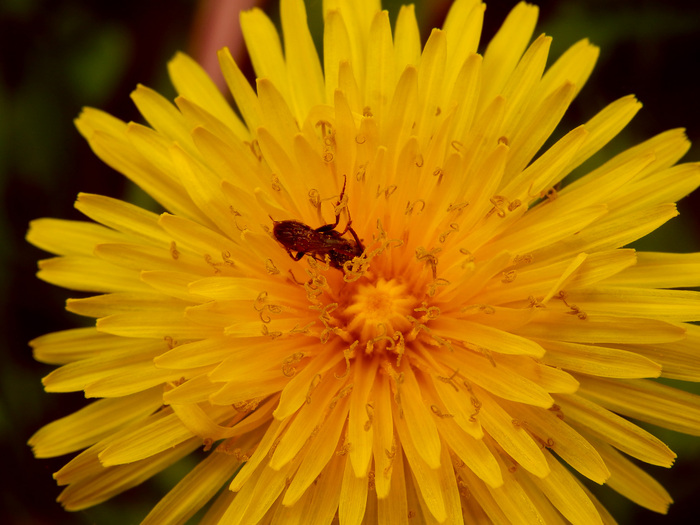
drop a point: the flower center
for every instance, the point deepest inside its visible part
(378, 310)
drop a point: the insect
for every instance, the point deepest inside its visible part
(301, 238)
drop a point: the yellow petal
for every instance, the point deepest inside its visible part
(462, 29)
(194, 490)
(93, 423)
(69, 237)
(264, 46)
(568, 444)
(648, 401)
(88, 274)
(633, 482)
(359, 434)
(317, 453)
(104, 484)
(407, 43)
(661, 270)
(513, 439)
(590, 418)
(305, 75)
(353, 496)
(123, 217)
(666, 305)
(426, 478)
(506, 48)
(243, 94)
(564, 491)
(598, 360)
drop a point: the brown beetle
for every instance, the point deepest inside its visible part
(301, 238)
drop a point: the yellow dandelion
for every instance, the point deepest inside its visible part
(370, 300)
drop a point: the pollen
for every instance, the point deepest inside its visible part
(379, 308)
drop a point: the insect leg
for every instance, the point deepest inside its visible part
(329, 227)
(354, 236)
(298, 255)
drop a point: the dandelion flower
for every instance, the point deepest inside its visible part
(369, 297)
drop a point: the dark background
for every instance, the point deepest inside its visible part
(58, 56)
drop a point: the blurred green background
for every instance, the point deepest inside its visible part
(61, 55)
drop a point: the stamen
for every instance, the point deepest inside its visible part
(454, 227)
(439, 413)
(410, 206)
(557, 411)
(270, 267)
(527, 258)
(348, 353)
(474, 401)
(386, 191)
(483, 308)
(488, 355)
(260, 300)
(340, 395)
(509, 276)
(314, 198)
(497, 201)
(276, 185)
(449, 380)
(433, 286)
(344, 449)
(429, 257)
(273, 335)
(289, 362)
(575, 310)
(431, 312)
(293, 278)
(442, 341)
(323, 124)
(369, 408)
(457, 207)
(274, 446)
(303, 330)
(247, 406)
(254, 147)
(398, 381)
(400, 347)
(536, 303)
(315, 381)
(228, 261)
(369, 346)
(236, 214)
(210, 261)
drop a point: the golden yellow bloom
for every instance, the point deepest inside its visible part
(466, 331)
